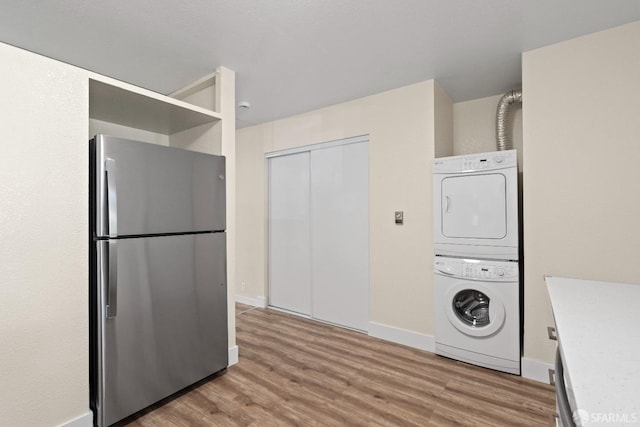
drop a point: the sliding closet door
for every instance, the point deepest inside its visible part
(289, 244)
(340, 235)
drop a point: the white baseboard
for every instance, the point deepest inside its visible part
(402, 336)
(530, 368)
(260, 302)
(84, 420)
(536, 370)
(233, 355)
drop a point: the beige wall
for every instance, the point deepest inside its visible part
(444, 123)
(581, 150)
(44, 357)
(251, 199)
(474, 126)
(401, 128)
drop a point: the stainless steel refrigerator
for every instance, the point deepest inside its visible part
(158, 292)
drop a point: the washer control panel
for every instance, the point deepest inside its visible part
(477, 269)
(488, 271)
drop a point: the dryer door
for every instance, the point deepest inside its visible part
(474, 206)
(474, 309)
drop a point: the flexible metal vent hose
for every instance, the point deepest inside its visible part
(502, 114)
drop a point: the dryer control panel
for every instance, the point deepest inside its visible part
(476, 162)
(506, 271)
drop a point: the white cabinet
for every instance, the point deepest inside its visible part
(120, 109)
(134, 107)
(319, 233)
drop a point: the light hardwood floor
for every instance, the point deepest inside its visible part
(298, 372)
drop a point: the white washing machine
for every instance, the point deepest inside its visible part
(477, 308)
(475, 205)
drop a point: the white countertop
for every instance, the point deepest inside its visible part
(598, 325)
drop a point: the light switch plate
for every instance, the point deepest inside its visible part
(400, 217)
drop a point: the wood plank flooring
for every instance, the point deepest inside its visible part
(298, 372)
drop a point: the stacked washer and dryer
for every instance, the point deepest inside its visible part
(477, 277)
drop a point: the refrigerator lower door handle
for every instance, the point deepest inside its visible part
(112, 279)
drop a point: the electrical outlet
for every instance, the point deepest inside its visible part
(243, 286)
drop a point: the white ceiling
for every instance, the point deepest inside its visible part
(292, 56)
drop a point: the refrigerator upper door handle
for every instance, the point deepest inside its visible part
(112, 197)
(112, 281)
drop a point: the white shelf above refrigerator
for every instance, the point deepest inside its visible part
(128, 105)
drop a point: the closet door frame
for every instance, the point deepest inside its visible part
(309, 149)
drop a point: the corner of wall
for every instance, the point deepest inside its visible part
(259, 301)
(226, 105)
(536, 370)
(443, 122)
(251, 188)
(234, 352)
(84, 420)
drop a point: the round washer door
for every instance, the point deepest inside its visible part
(474, 309)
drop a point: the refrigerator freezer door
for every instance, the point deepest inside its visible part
(170, 329)
(144, 189)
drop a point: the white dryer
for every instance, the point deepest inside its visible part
(478, 312)
(476, 205)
